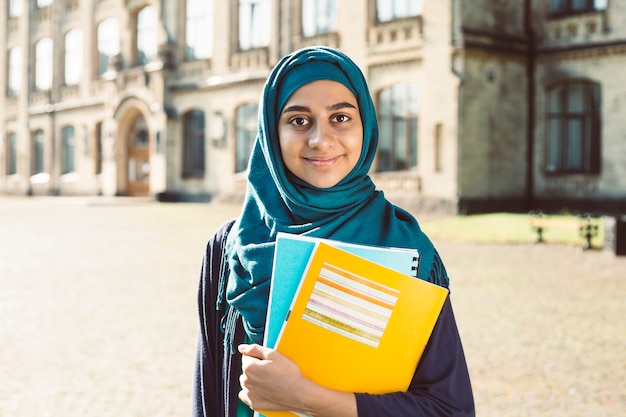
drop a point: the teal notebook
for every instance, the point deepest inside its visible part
(291, 258)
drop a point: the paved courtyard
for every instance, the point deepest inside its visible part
(98, 314)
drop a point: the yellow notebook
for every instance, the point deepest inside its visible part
(358, 326)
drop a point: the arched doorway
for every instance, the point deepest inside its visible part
(138, 156)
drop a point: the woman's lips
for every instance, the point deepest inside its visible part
(322, 161)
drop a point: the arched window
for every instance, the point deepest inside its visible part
(68, 149)
(193, 144)
(98, 148)
(199, 29)
(146, 35)
(398, 110)
(43, 64)
(73, 56)
(247, 120)
(11, 153)
(38, 152)
(15, 8)
(254, 24)
(318, 16)
(15, 71)
(573, 136)
(387, 10)
(108, 43)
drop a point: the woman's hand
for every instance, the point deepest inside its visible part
(272, 382)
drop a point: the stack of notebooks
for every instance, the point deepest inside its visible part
(354, 318)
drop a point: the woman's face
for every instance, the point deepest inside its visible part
(321, 133)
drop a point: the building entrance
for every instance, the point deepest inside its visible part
(138, 159)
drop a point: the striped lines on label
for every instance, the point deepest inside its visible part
(350, 305)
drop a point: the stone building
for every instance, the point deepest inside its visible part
(497, 105)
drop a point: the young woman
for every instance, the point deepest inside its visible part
(308, 174)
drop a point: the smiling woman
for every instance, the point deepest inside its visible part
(320, 133)
(309, 175)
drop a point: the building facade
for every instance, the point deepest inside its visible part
(497, 105)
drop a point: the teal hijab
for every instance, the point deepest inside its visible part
(277, 201)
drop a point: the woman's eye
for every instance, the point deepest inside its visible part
(341, 118)
(299, 121)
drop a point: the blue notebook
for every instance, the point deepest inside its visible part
(291, 258)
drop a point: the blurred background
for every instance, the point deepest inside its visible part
(493, 106)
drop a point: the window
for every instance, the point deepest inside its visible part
(15, 71)
(15, 8)
(73, 56)
(139, 136)
(193, 146)
(108, 43)
(573, 128)
(398, 110)
(438, 154)
(38, 153)
(11, 154)
(199, 29)
(318, 16)
(387, 10)
(146, 35)
(98, 148)
(254, 24)
(68, 149)
(43, 3)
(247, 119)
(576, 6)
(43, 64)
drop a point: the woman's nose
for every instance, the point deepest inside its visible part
(322, 136)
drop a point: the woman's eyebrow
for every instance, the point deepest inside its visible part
(296, 108)
(332, 107)
(341, 105)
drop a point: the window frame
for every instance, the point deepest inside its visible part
(68, 135)
(246, 126)
(44, 55)
(562, 120)
(253, 40)
(194, 144)
(11, 154)
(197, 19)
(74, 56)
(146, 41)
(14, 69)
(98, 139)
(394, 13)
(314, 27)
(16, 8)
(568, 7)
(107, 43)
(38, 152)
(403, 114)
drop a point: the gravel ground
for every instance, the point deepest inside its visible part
(98, 314)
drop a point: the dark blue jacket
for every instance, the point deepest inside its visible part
(440, 386)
